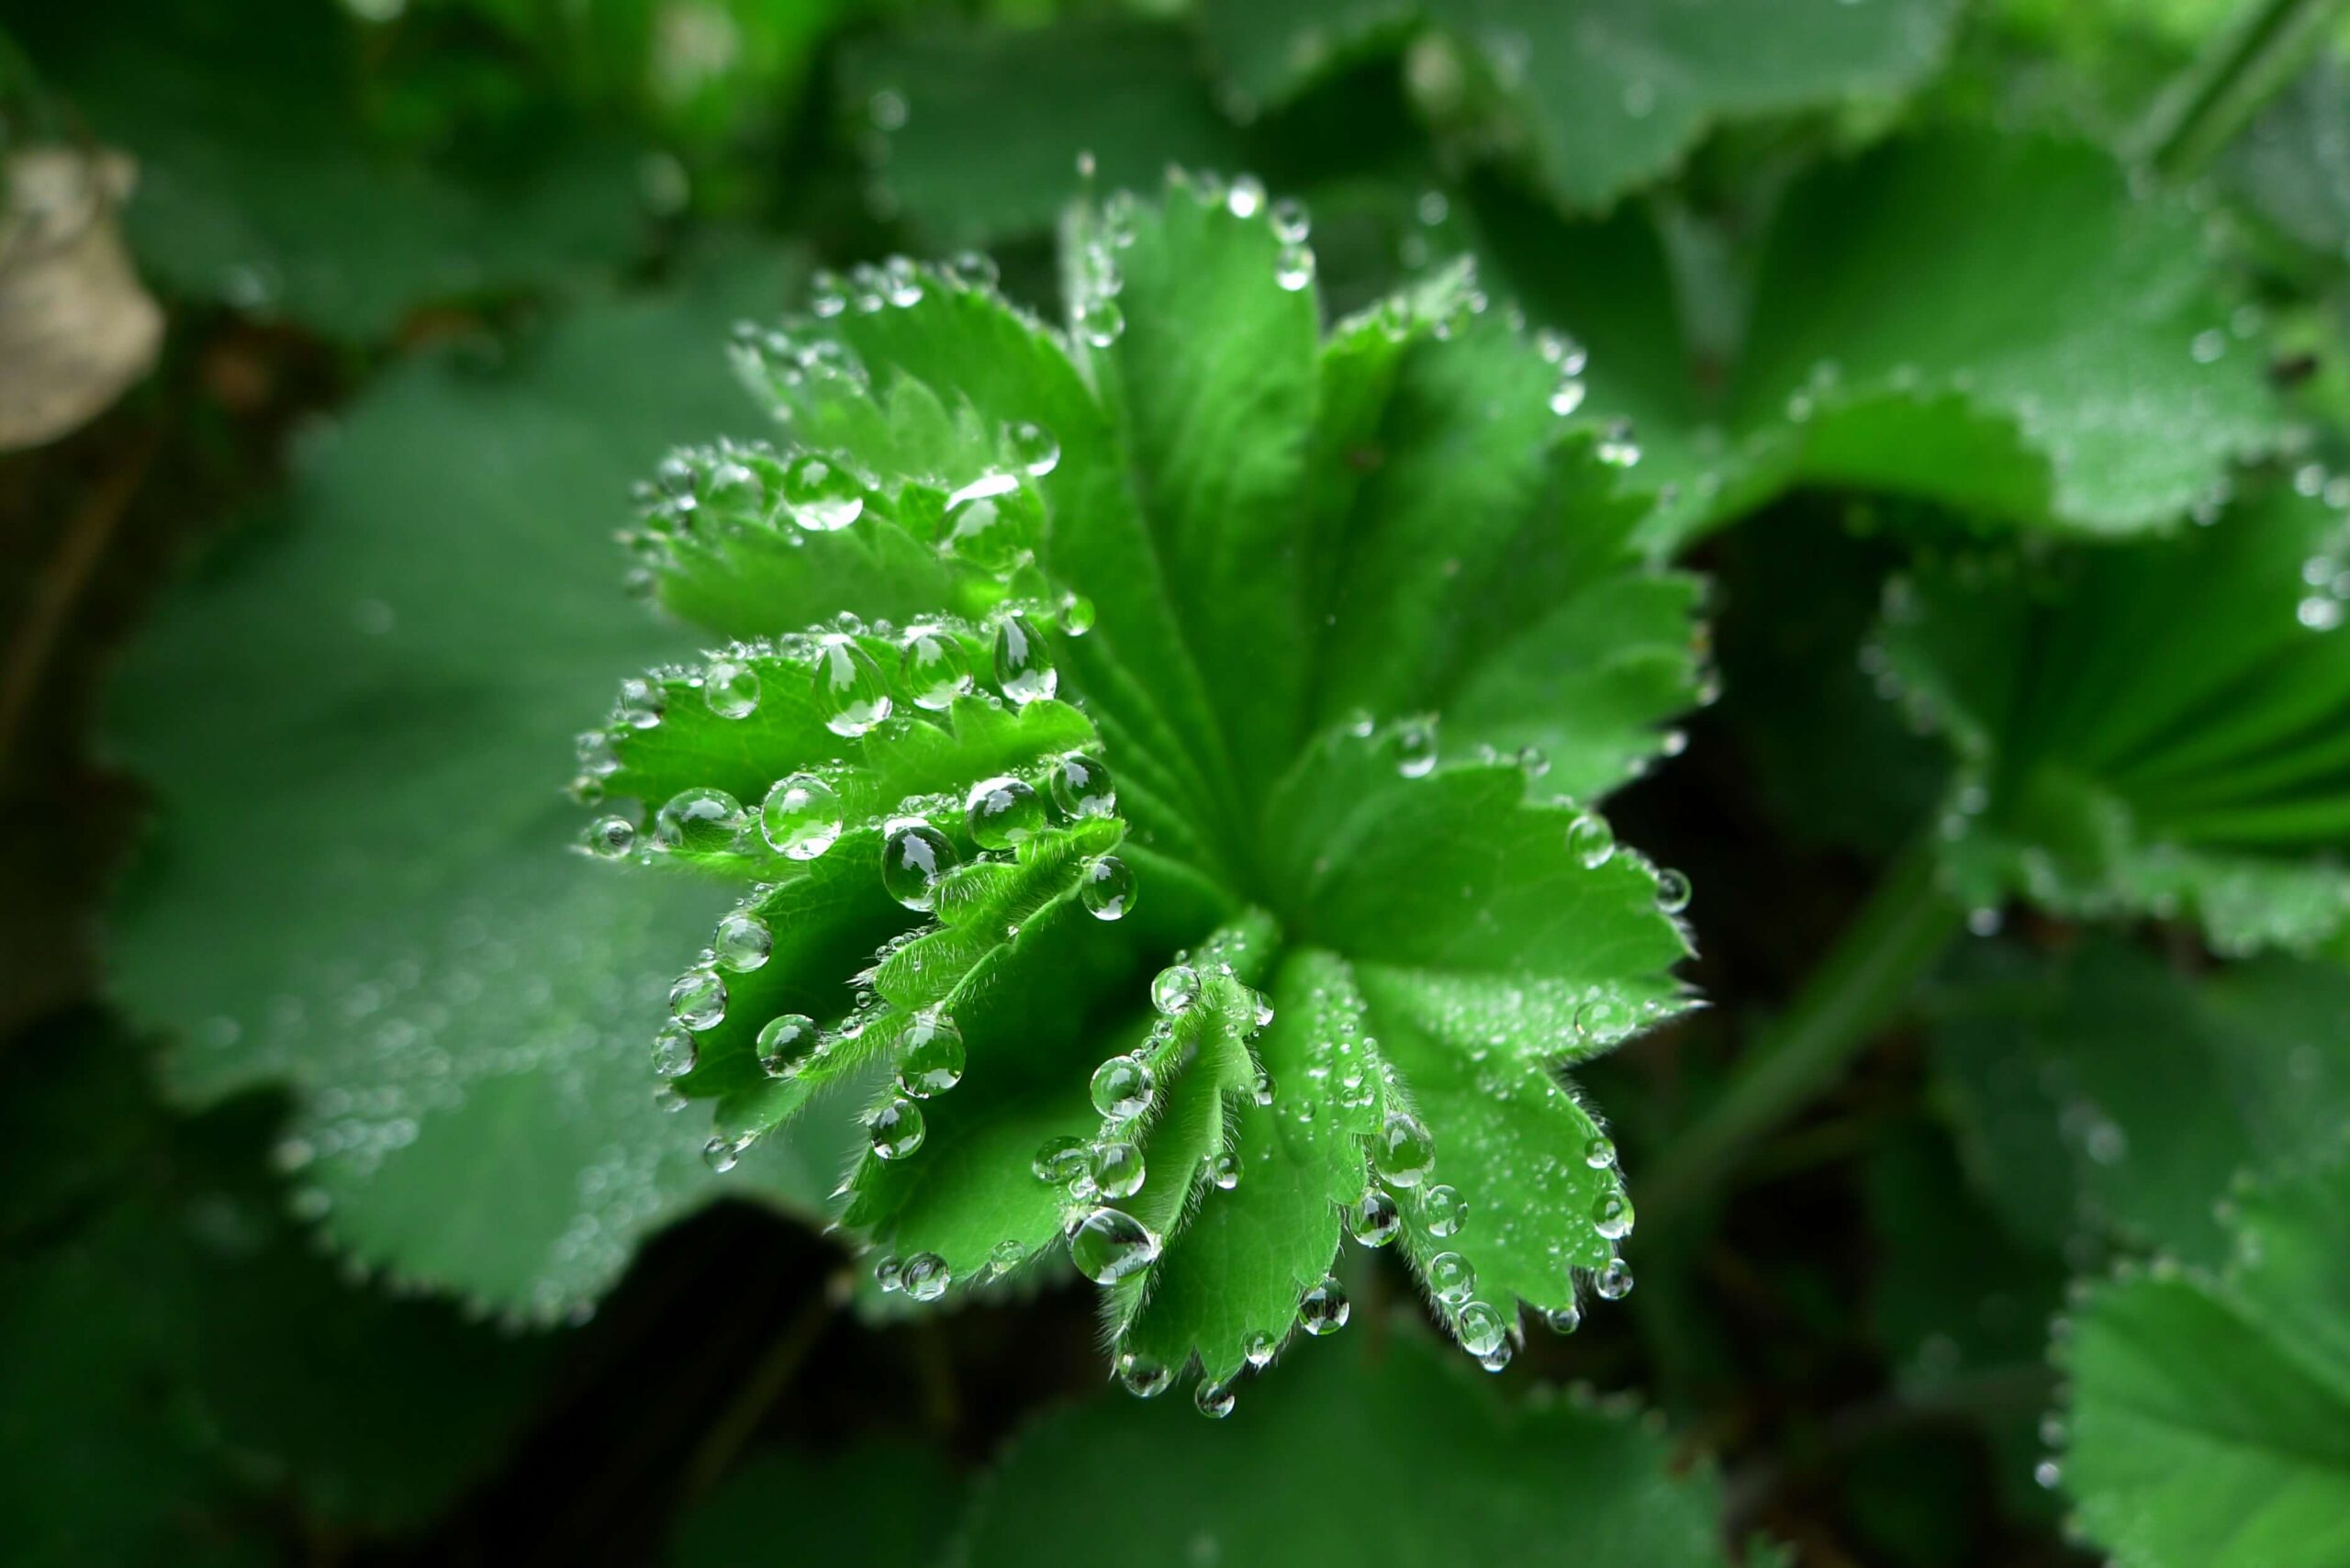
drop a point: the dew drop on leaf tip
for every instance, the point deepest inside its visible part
(897, 1130)
(1110, 1244)
(1323, 1309)
(801, 818)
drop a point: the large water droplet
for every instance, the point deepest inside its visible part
(1671, 891)
(1599, 1151)
(1099, 322)
(1225, 1171)
(1258, 1349)
(847, 687)
(1033, 447)
(1443, 1210)
(742, 942)
(896, 1129)
(1612, 1216)
(1293, 266)
(1590, 840)
(1106, 888)
(800, 817)
(1563, 1319)
(1002, 812)
(1142, 1377)
(914, 855)
(1323, 1309)
(1060, 1160)
(1110, 1244)
(925, 1277)
(1122, 1087)
(1081, 787)
(674, 1053)
(930, 1057)
(1374, 1219)
(784, 1041)
(1117, 1170)
(1404, 1151)
(1291, 224)
(935, 668)
(990, 522)
(642, 703)
(698, 822)
(1415, 749)
(1480, 1328)
(610, 838)
(1175, 989)
(1214, 1399)
(732, 689)
(825, 497)
(1023, 665)
(699, 1000)
(1614, 1282)
(1451, 1277)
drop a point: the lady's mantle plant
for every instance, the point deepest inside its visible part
(1158, 757)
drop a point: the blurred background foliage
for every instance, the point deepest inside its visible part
(391, 236)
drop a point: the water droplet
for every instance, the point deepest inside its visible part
(1081, 787)
(642, 703)
(990, 522)
(825, 497)
(1451, 1277)
(1603, 1020)
(698, 822)
(1099, 322)
(731, 689)
(1225, 1171)
(1117, 1170)
(1404, 1152)
(1374, 1220)
(1035, 448)
(914, 854)
(1106, 888)
(1563, 1319)
(801, 818)
(1110, 1244)
(934, 667)
(2048, 1474)
(974, 269)
(699, 1000)
(742, 942)
(1023, 665)
(784, 1041)
(930, 1057)
(1443, 1211)
(1258, 1349)
(1590, 840)
(887, 1272)
(722, 1155)
(1293, 266)
(1058, 1159)
(1599, 1151)
(674, 1053)
(1671, 891)
(1122, 1086)
(1005, 1256)
(1567, 397)
(1614, 1282)
(1291, 224)
(1214, 1399)
(1245, 197)
(1480, 1328)
(1612, 1216)
(1175, 989)
(1415, 748)
(896, 1129)
(925, 1277)
(1323, 1309)
(1002, 812)
(1142, 1377)
(847, 688)
(1077, 614)
(610, 838)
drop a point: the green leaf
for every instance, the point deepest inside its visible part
(845, 1506)
(361, 886)
(2107, 1094)
(182, 1353)
(1340, 615)
(1127, 92)
(1995, 323)
(2209, 1421)
(1601, 97)
(1574, 1479)
(263, 188)
(2158, 730)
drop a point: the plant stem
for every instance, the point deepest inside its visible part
(2200, 111)
(1894, 939)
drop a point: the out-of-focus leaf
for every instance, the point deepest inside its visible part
(878, 1505)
